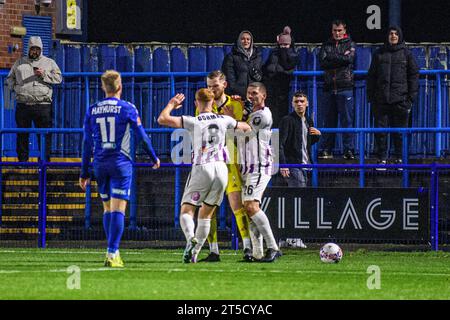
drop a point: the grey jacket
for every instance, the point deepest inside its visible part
(30, 88)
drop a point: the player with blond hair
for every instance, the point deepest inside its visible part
(107, 130)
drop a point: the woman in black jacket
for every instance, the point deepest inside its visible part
(278, 75)
(243, 65)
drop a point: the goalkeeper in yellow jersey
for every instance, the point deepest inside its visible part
(224, 104)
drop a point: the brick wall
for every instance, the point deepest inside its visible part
(11, 15)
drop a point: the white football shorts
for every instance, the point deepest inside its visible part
(254, 185)
(206, 184)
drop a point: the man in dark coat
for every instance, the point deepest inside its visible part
(297, 135)
(278, 75)
(392, 86)
(243, 65)
(336, 58)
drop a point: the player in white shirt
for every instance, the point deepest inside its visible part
(208, 179)
(256, 169)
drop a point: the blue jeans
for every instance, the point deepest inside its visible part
(297, 178)
(340, 106)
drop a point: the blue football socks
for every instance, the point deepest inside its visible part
(115, 231)
(106, 222)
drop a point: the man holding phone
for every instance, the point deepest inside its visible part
(31, 78)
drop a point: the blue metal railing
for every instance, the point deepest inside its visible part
(86, 80)
(42, 166)
(173, 75)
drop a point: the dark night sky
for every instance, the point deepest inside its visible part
(212, 21)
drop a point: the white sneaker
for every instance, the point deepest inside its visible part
(293, 243)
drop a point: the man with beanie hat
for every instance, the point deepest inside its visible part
(32, 77)
(278, 75)
(392, 86)
(243, 65)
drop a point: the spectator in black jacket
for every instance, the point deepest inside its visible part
(392, 86)
(297, 135)
(243, 65)
(278, 75)
(336, 58)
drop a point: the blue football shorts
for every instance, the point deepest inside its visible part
(113, 180)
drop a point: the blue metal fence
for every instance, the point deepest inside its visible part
(361, 167)
(80, 89)
(150, 92)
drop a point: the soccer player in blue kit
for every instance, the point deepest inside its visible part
(107, 130)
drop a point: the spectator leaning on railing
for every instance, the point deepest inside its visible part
(392, 86)
(32, 77)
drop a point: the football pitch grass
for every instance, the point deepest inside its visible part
(160, 275)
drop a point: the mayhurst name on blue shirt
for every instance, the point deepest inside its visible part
(107, 106)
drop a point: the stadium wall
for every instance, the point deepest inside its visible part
(11, 15)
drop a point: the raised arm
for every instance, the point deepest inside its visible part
(166, 119)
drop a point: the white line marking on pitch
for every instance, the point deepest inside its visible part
(362, 273)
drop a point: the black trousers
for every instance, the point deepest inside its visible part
(390, 116)
(26, 115)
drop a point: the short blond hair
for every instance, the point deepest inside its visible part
(111, 81)
(217, 74)
(204, 95)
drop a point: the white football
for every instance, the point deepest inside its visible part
(331, 253)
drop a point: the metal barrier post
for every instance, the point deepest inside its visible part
(434, 212)
(234, 236)
(42, 151)
(223, 214)
(42, 214)
(177, 203)
(177, 197)
(133, 193)
(438, 115)
(362, 171)
(86, 92)
(315, 172)
(87, 208)
(405, 140)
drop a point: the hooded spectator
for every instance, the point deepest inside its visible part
(31, 78)
(392, 87)
(242, 65)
